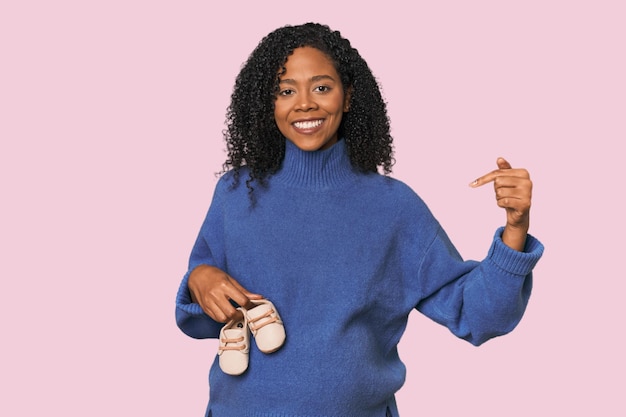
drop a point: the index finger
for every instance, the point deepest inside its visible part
(244, 293)
(503, 166)
(487, 178)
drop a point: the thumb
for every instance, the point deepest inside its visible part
(503, 163)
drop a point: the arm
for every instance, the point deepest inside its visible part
(478, 300)
(203, 301)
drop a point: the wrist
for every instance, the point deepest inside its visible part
(515, 236)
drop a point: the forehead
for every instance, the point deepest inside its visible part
(307, 60)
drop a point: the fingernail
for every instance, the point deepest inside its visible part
(473, 183)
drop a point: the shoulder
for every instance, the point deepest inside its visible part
(232, 180)
(399, 207)
(391, 188)
(229, 186)
(394, 195)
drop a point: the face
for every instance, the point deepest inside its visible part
(310, 102)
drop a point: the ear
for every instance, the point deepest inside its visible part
(346, 99)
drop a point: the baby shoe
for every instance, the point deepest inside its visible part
(266, 326)
(234, 346)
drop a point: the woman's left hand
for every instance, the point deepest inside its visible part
(513, 189)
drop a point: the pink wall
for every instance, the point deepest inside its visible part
(110, 125)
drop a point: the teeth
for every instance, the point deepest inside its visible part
(308, 124)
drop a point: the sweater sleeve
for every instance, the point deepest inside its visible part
(207, 250)
(477, 300)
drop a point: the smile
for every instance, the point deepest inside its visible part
(308, 124)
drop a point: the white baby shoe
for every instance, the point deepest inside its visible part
(234, 346)
(266, 326)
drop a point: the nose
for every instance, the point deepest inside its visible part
(306, 102)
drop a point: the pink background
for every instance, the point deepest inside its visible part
(110, 120)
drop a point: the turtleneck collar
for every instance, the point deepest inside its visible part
(316, 170)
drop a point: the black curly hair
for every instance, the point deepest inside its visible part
(252, 136)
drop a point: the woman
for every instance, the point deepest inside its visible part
(344, 253)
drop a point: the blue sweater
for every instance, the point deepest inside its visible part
(345, 257)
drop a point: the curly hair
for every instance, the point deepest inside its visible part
(252, 136)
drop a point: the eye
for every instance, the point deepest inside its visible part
(285, 92)
(322, 89)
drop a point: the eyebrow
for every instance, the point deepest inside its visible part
(315, 78)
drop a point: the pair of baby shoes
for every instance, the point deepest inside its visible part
(265, 325)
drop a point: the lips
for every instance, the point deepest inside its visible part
(308, 124)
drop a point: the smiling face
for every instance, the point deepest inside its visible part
(311, 101)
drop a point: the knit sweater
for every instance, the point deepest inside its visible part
(345, 256)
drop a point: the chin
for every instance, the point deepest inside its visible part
(310, 146)
(307, 146)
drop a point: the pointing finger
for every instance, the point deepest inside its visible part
(502, 165)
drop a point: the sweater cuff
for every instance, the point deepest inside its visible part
(512, 261)
(183, 299)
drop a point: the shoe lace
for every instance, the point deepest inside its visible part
(272, 319)
(228, 343)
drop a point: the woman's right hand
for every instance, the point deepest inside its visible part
(213, 289)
